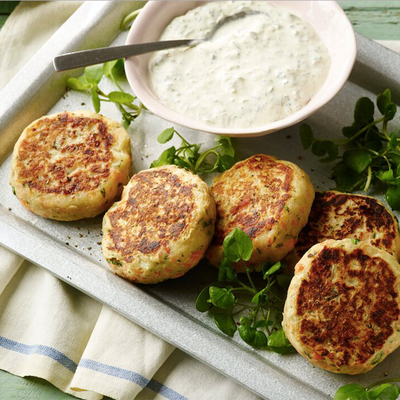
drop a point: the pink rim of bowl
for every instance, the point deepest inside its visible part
(327, 18)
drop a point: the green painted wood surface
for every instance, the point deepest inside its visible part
(13, 387)
(375, 19)
(378, 20)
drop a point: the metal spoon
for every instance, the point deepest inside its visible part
(97, 56)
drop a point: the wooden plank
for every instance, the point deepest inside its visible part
(15, 388)
(378, 20)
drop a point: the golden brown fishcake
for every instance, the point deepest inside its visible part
(336, 215)
(161, 227)
(269, 199)
(70, 165)
(343, 306)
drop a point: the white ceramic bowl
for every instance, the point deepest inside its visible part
(327, 18)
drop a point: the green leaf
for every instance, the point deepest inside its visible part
(351, 392)
(393, 141)
(323, 147)
(202, 303)
(393, 197)
(262, 323)
(225, 162)
(94, 73)
(225, 323)
(76, 84)
(166, 158)
(221, 298)
(386, 391)
(383, 100)
(357, 159)
(247, 333)
(95, 99)
(279, 343)
(226, 272)
(166, 135)
(250, 335)
(118, 70)
(318, 148)
(226, 146)
(259, 297)
(345, 178)
(108, 66)
(386, 176)
(349, 131)
(372, 139)
(364, 111)
(306, 136)
(238, 246)
(395, 157)
(273, 269)
(245, 321)
(390, 111)
(121, 97)
(283, 280)
(260, 340)
(332, 150)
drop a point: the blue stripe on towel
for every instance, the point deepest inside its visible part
(121, 373)
(134, 377)
(38, 349)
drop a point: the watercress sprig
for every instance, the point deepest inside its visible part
(89, 82)
(190, 157)
(259, 310)
(382, 390)
(372, 150)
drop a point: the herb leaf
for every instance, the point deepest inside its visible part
(189, 156)
(94, 73)
(357, 159)
(306, 136)
(120, 97)
(89, 82)
(364, 111)
(166, 135)
(225, 323)
(372, 154)
(260, 310)
(222, 298)
(237, 245)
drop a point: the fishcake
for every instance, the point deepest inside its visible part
(70, 165)
(161, 227)
(343, 306)
(336, 215)
(267, 198)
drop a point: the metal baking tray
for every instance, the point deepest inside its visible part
(71, 251)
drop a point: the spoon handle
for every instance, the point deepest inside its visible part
(96, 56)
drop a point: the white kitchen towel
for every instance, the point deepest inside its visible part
(50, 330)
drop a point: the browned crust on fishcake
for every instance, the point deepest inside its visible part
(159, 205)
(267, 198)
(346, 312)
(255, 211)
(39, 173)
(365, 218)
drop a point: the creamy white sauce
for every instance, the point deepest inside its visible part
(254, 70)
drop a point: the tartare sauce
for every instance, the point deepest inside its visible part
(256, 69)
